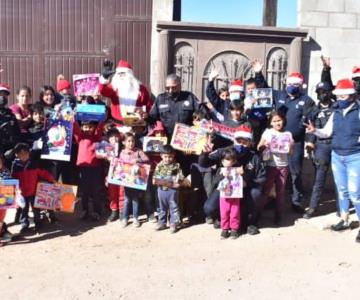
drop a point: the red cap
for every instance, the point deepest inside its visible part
(295, 78)
(344, 87)
(123, 66)
(5, 87)
(355, 72)
(236, 86)
(62, 84)
(244, 132)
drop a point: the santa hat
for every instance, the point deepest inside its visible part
(244, 132)
(295, 78)
(158, 127)
(62, 84)
(344, 87)
(236, 86)
(355, 72)
(5, 87)
(123, 67)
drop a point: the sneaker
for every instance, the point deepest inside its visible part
(95, 217)
(209, 220)
(309, 213)
(114, 216)
(160, 226)
(24, 229)
(298, 208)
(124, 223)
(173, 228)
(358, 237)
(152, 219)
(224, 234)
(136, 223)
(6, 237)
(252, 230)
(216, 224)
(234, 234)
(342, 225)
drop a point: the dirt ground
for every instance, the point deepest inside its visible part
(84, 260)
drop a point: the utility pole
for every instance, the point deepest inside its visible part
(269, 12)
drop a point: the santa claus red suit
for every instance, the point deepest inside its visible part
(125, 92)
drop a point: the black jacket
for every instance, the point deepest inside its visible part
(254, 170)
(170, 111)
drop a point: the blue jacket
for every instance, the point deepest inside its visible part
(346, 131)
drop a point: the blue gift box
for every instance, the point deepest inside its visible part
(90, 112)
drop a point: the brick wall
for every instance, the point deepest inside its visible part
(334, 30)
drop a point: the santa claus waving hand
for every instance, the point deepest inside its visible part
(125, 91)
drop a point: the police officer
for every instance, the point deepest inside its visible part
(320, 147)
(174, 106)
(296, 106)
(9, 128)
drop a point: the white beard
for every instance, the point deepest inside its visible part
(126, 87)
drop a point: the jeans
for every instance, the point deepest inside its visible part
(211, 205)
(346, 170)
(132, 197)
(167, 202)
(24, 218)
(322, 160)
(295, 166)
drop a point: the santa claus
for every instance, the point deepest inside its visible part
(128, 96)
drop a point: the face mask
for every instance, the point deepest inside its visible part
(344, 103)
(240, 148)
(293, 90)
(324, 97)
(234, 96)
(3, 101)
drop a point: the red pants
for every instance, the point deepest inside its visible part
(230, 213)
(277, 176)
(116, 196)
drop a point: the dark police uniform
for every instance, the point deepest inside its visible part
(322, 153)
(171, 111)
(297, 111)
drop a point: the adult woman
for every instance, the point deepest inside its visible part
(344, 127)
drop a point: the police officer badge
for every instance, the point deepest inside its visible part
(186, 103)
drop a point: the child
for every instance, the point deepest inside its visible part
(91, 181)
(5, 236)
(152, 203)
(277, 162)
(29, 174)
(115, 192)
(21, 109)
(131, 154)
(229, 207)
(236, 114)
(168, 169)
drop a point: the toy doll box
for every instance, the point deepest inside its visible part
(90, 112)
(8, 193)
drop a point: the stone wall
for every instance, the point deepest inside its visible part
(334, 31)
